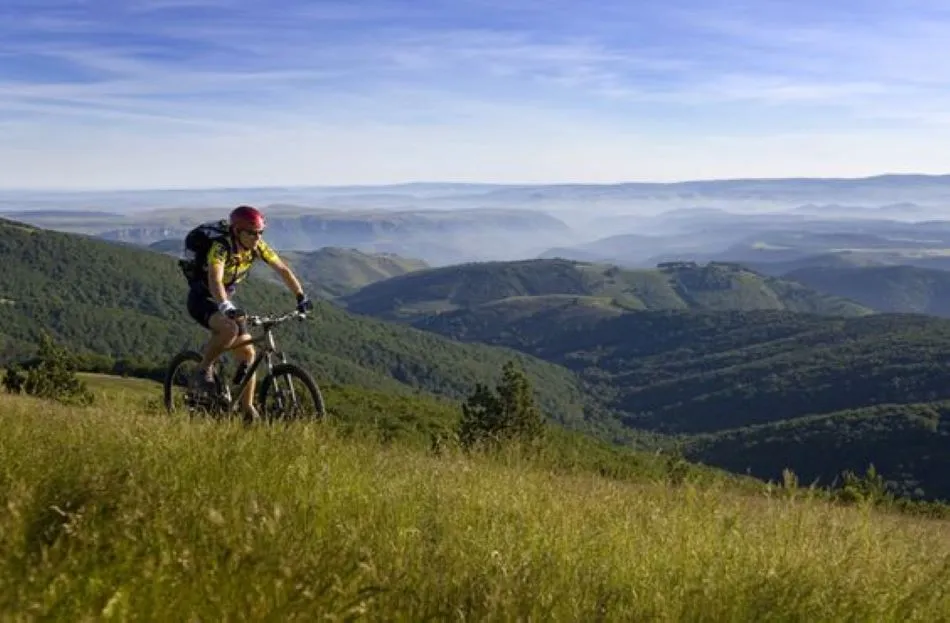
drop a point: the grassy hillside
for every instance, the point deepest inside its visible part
(886, 288)
(125, 302)
(284, 521)
(677, 286)
(416, 420)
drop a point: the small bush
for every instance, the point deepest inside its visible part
(51, 375)
(490, 419)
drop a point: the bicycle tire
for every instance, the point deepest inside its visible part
(291, 369)
(182, 357)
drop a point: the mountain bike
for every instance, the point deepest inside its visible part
(276, 385)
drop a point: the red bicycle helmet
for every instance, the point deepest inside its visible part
(246, 217)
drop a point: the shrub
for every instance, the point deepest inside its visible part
(510, 413)
(51, 375)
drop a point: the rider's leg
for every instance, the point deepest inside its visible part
(223, 332)
(204, 311)
(245, 354)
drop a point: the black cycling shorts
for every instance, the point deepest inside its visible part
(201, 306)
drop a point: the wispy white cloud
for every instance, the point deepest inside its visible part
(479, 73)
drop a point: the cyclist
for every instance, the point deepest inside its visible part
(228, 263)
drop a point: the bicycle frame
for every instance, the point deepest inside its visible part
(264, 354)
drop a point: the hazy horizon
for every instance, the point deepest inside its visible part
(79, 190)
(205, 94)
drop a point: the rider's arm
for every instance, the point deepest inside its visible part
(216, 258)
(273, 260)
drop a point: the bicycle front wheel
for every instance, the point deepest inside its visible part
(289, 392)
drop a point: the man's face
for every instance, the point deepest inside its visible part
(249, 237)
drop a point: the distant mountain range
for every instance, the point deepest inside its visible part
(793, 188)
(444, 223)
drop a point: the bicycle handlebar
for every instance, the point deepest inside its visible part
(257, 321)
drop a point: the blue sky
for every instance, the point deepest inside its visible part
(199, 93)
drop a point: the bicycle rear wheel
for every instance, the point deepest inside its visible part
(177, 393)
(289, 392)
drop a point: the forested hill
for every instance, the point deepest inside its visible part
(683, 371)
(712, 287)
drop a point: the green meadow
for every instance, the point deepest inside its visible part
(117, 511)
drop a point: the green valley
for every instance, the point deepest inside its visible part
(695, 372)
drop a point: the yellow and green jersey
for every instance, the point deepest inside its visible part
(237, 264)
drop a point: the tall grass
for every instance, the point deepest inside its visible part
(117, 514)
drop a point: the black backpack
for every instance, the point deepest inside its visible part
(198, 241)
